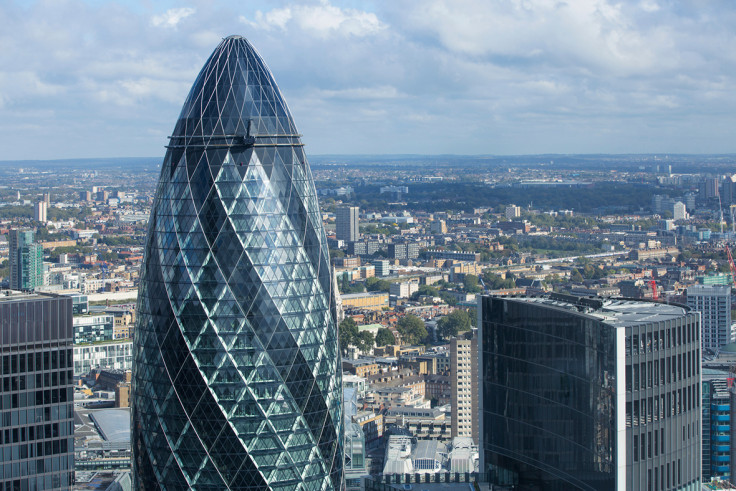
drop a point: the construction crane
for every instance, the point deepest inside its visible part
(731, 265)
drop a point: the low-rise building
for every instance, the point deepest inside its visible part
(367, 301)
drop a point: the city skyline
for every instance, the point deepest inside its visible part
(102, 79)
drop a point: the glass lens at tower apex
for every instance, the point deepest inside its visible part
(236, 379)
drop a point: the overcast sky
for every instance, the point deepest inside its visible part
(95, 78)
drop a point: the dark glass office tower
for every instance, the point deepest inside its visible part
(37, 394)
(236, 379)
(590, 394)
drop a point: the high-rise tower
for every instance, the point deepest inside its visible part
(26, 260)
(236, 379)
(347, 223)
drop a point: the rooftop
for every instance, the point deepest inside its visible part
(611, 311)
(15, 295)
(113, 424)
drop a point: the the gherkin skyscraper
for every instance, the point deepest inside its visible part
(236, 380)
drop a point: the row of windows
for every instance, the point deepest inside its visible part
(15, 364)
(658, 372)
(38, 432)
(27, 382)
(38, 449)
(660, 478)
(662, 339)
(37, 415)
(39, 398)
(55, 481)
(12, 473)
(650, 409)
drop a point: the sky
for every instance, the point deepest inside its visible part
(96, 78)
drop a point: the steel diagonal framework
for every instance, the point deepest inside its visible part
(236, 377)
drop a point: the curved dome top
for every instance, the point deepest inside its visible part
(236, 83)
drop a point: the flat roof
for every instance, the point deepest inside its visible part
(15, 295)
(428, 449)
(611, 311)
(113, 424)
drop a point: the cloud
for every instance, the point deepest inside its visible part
(322, 20)
(438, 76)
(172, 17)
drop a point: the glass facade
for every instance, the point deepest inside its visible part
(36, 395)
(93, 328)
(236, 381)
(113, 354)
(25, 259)
(591, 395)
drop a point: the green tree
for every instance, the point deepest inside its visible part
(425, 290)
(374, 284)
(450, 325)
(364, 341)
(576, 277)
(384, 337)
(496, 282)
(448, 298)
(348, 331)
(470, 282)
(412, 330)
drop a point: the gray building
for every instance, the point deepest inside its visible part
(403, 250)
(37, 444)
(714, 304)
(347, 223)
(589, 394)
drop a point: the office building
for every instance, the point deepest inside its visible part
(80, 304)
(679, 212)
(347, 223)
(355, 454)
(438, 227)
(403, 250)
(363, 247)
(25, 259)
(93, 328)
(716, 434)
(39, 211)
(403, 289)
(236, 379)
(714, 304)
(382, 267)
(709, 187)
(454, 255)
(513, 211)
(464, 387)
(37, 395)
(115, 354)
(590, 394)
